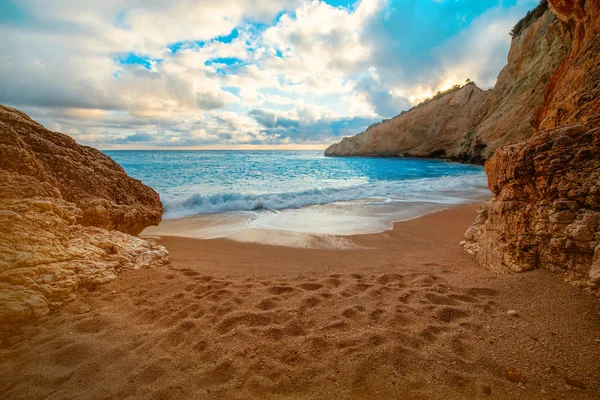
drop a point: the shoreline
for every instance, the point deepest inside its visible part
(405, 312)
(411, 156)
(297, 231)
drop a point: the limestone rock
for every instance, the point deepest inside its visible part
(64, 209)
(534, 56)
(574, 91)
(546, 212)
(470, 124)
(418, 132)
(52, 164)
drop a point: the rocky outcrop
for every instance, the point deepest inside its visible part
(66, 215)
(107, 197)
(418, 132)
(546, 212)
(469, 125)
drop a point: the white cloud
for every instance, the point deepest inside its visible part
(312, 74)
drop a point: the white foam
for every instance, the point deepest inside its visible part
(443, 190)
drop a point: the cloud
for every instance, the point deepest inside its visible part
(232, 72)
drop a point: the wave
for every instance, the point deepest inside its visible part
(444, 190)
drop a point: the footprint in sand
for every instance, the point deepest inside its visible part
(189, 272)
(268, 303)
(310, 286)
(451, 314)
(280, 289)
(332, 282)
(439, 299)
(311, 302)
(73, 355)
(387, 278)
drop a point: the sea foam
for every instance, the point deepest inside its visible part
(441, 190)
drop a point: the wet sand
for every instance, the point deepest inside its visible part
(395, 315)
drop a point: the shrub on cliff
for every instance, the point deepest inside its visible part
(530, 18)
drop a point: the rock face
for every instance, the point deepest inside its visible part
(470, 124)
(574, 91)
(418, 132)
(66, 215)
(534, 56)
(107, 197)
(546, 212)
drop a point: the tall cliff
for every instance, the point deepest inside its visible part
(546, 212)
(66, 215)
(471, 124)
(535, 54)
(417, 132)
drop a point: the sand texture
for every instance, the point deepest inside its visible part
(407, 315)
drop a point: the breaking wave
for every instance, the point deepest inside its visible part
(442, 190)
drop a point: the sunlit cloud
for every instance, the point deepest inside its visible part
(231, 74)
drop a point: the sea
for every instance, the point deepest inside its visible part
(303, 191)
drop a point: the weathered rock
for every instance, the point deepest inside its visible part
(535, 54)
(514, 376)
(574, 91)
(546, 212)
(470, 124)
(435, 129)
(52, 191)
(98, 186)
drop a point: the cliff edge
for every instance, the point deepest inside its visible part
(470, 124)
(67, 216)
(418, 132)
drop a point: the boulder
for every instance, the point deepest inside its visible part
(546, 212)
(67, 216)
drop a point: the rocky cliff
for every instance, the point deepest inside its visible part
(574, 91)
(67, 213)
(535, 54)
(82, 175)
(470, 124)
(546, 212)
(418, 132)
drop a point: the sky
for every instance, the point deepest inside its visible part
(207, 74)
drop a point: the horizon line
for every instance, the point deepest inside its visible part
(320, 147)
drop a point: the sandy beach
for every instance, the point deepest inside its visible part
(397, 315)
(307, 200)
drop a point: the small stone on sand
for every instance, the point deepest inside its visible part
(574, 383)
(513, 376)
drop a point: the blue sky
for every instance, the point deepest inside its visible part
(241, 73)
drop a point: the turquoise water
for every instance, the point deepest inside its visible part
(204, 182)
